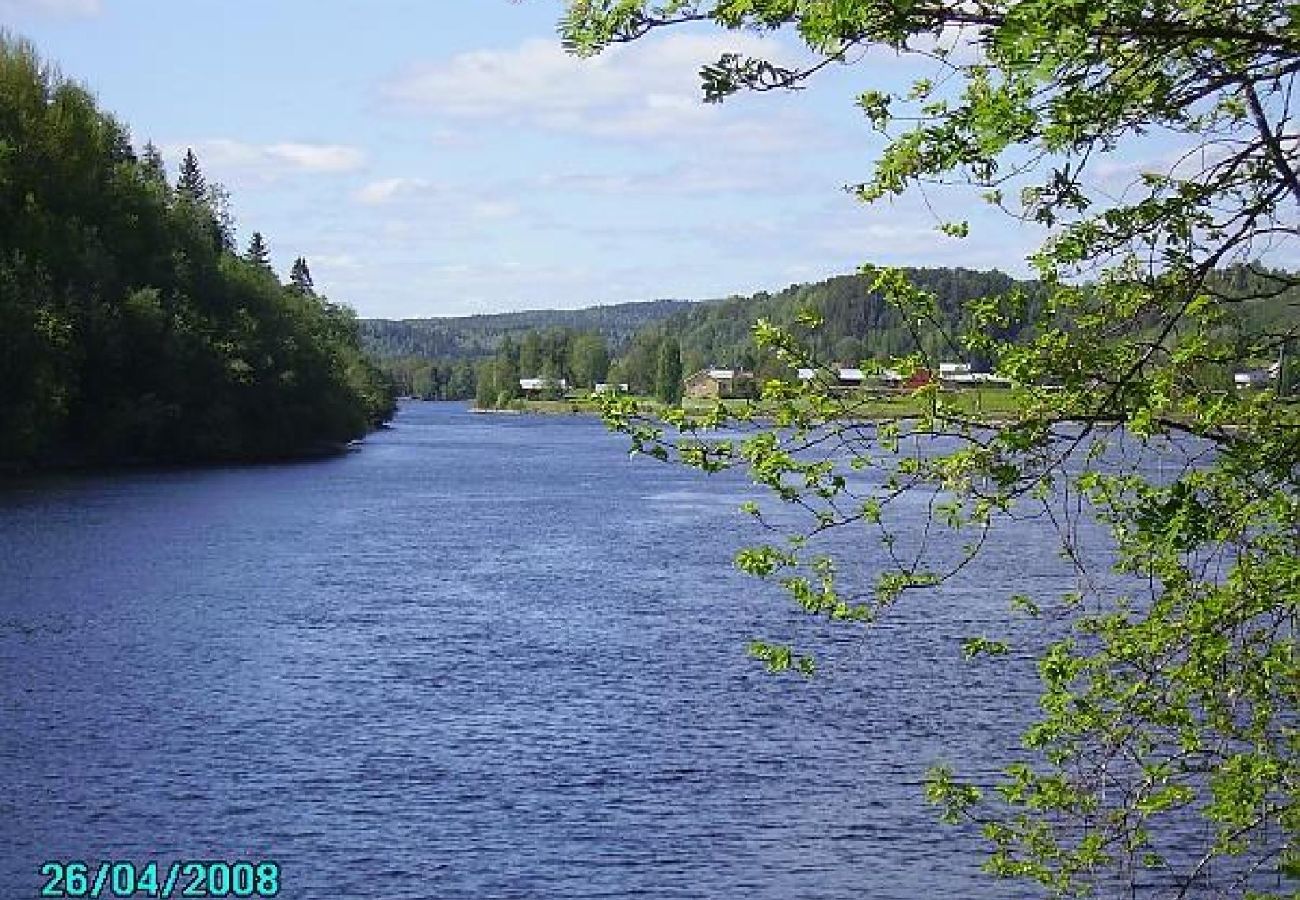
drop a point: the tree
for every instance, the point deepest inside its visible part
(223, 216)
(152, 165)
(1168, 734)
(588, 359)
(668, 371)
(300, 277)
(257, 253)
(191, 185)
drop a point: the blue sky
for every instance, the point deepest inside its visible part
(446, 158)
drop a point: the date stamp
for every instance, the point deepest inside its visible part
(180, 879)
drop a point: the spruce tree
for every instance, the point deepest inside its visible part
(191, 185)
(300, 277)
(151, 162)
(257, 253)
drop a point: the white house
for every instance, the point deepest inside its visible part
(534, 385)
(1256, 378)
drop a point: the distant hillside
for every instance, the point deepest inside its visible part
(857, 324)
(474, 337)
(447, 358)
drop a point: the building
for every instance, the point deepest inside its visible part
(721, 384)
(543, 385)
(962, 375)
(1256, 378)
(604, 388)
(843, 378)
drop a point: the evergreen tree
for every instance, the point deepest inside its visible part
(668, 373)
(191, 184)
(300, 277)
(257, 253)
(151, 162)
(223, 217)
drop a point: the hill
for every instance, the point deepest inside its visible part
(475, 337)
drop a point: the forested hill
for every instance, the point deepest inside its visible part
(132, 330)
(857, 323)
(475, 337)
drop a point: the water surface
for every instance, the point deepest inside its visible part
(482, 657)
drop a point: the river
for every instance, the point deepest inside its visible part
(480, 657)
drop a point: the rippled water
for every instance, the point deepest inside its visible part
(481, 657)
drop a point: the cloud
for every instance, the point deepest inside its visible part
(477, 203)
(67, 8)
(389, 190)
(270, 161)
(641, 92)
(318, 157)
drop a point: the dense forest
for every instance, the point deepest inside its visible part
(133, 329)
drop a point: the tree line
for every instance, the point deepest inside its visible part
(134, 331)
(856, 324)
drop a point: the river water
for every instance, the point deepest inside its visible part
(482, 656)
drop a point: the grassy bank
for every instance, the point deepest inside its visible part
(990, 403)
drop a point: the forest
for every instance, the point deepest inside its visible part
(444, 359)
(134, 330)
(856, 325)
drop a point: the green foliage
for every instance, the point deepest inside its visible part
(668, 371)
(1168, 735)
(131, 332)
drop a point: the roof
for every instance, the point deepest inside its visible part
(722, 374)
(541, 384)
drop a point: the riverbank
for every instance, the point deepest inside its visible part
(995, 405)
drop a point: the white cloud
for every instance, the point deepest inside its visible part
(20, 8)
(404, 192)
(270, 161)
(318, 157)
(387, 190)
(634, 92)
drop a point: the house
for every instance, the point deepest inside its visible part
(849, 378)
(604, 388)
(919, 378)
(720, 384)
(978, 379)
(963, 375)
(543, 385)
(1256, 378)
